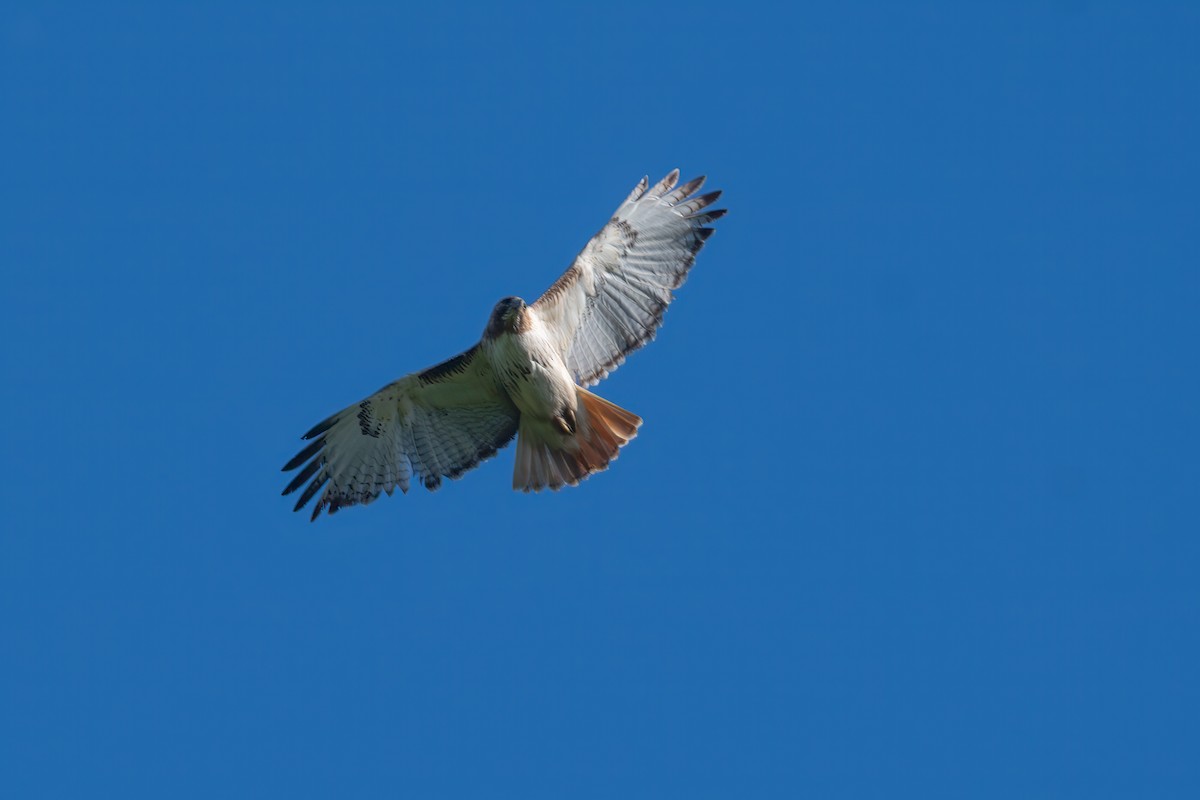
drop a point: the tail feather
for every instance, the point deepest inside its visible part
(548, 458)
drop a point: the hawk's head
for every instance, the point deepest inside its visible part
(507, 317)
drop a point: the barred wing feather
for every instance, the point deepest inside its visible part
(429, 425)
(612, 299)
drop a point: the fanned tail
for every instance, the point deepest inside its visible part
(549, 458)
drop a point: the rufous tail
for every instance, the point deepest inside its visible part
(549, 458)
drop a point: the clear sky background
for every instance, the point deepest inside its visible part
(913, 512)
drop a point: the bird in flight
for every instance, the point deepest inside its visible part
(526, 375)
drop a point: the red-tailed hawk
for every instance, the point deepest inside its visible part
(526, 375)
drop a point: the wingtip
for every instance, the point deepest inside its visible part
(639, 190)
(304, 455)
(664, 186)
(321, 427)
(683, 191)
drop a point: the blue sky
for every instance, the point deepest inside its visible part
(913, 509)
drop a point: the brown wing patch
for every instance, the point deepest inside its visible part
(448, 368)
(564, 282)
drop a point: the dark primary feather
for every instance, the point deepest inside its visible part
(304, 455)
(320, 427)
(304, 475)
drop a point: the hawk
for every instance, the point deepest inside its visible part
(526, 375)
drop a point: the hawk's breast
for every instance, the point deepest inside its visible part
(532, 371)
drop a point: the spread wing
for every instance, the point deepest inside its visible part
(612, 299)
(432, 424)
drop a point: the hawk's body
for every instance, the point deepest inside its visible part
(526, 360)
(522, 376)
